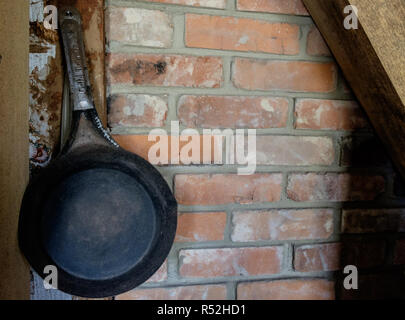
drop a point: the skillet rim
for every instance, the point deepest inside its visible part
(29, 229)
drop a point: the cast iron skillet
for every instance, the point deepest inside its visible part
(103, 216)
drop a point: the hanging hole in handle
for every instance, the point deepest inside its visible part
(68, 13)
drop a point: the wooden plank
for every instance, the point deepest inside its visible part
(14, 271)
(373, 62)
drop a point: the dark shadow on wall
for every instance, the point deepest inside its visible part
(372, 232)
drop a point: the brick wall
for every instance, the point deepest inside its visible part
(324, 194)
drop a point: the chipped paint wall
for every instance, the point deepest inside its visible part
(45, 88)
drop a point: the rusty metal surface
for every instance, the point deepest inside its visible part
(47, 74)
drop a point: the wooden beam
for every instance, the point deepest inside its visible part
(14, 271)
(373, 62)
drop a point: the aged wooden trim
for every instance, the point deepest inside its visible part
(14, 271)
(373, 61)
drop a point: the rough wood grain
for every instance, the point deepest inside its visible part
(372, 59)
(14, 271)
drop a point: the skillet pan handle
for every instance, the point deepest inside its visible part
(71, 30)
(87, 127)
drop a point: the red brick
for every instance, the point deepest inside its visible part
(273, 6)
(141, 27)
(240, 34)
(334, 187)
(215, 189)
(399, 257)
(160, 275)
(233, 112)
(296, 289)
(220, 4)
(137, 110)
(206, 226)
(282, 225)
(140, 145)
(316, 45)
(202, 292)
(300, 76)
(329, 114)
(164, 70)
(373, 220)
(318, 257)
(210, 263)
(294, 151)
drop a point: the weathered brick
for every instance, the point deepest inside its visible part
(141, 145)
(329, 114)
(399, 256)
(215, 189)
(316, 45)
(141, 27)
(240, 34)
(137, 110)
(160, 275)
(233, 112)
(205, 226)
(318, 257)
(364, 151)
(209, 263)
(363, 253)
(295, 289)
(282, 225)
(201, 292)
(334, 187)
(164, 70)
(373, 220)
(294, 151)
(301, 76)
(220, 4)
(295, 7)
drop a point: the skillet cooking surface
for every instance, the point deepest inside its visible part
(98, 223)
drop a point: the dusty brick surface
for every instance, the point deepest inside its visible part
(143, 146)
(241, 34)
(198, 227)
(329, 114)
(220, 4)
(321, 257)
(200, 292)
(294, 151)
(233, 112)
(316, 45)
(205, 189)
(164, 70)
(295, 7)
(334, 187)
(141, 27)
(137, 110)
(282, 225)
(300, 76)
(296, 289)
(209, 263)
